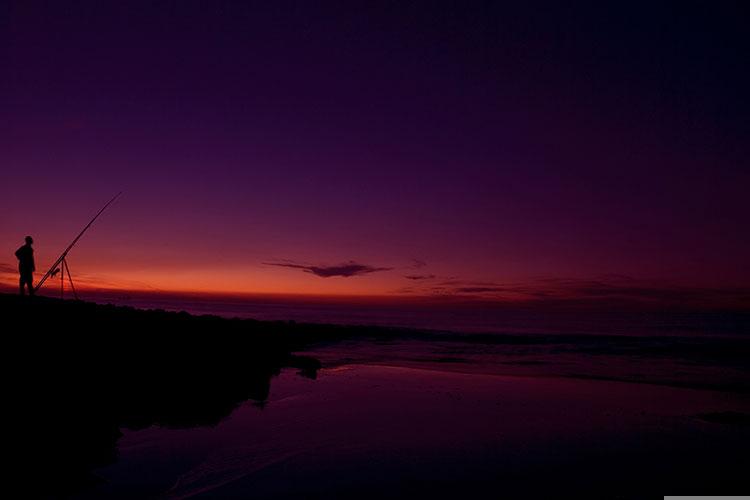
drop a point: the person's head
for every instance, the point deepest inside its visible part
(29, 240)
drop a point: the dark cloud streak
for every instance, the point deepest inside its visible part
(418, 277)
(344, 270)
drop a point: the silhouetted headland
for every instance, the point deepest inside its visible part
(78, 372)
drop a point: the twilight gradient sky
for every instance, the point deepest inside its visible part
(370, 148)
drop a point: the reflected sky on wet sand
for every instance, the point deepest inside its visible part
(385, 430)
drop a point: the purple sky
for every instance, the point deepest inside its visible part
(347, 149)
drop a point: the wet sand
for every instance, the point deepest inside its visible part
(398, 432)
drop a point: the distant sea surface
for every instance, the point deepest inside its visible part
(466, 318)
(699, 349)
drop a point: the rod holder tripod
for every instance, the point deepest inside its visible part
(64, 270)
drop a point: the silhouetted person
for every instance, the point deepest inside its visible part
(26, 267)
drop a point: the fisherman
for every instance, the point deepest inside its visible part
(26, 268)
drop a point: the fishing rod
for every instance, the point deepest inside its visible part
(61, 259)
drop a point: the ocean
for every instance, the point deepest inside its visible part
(447, 316)
(680, 348)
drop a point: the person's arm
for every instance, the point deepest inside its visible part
(18, 253)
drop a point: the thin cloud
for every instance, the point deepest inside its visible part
(7, 268)
(418, 277)
(611, 289)
(345, 270)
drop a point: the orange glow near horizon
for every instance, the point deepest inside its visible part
(269, 282)
(208, 281)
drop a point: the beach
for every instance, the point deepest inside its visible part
(181, 406)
